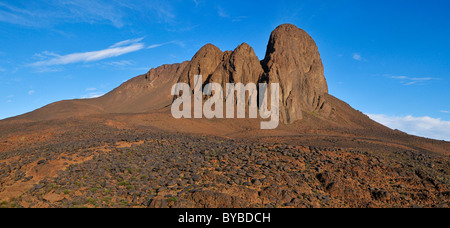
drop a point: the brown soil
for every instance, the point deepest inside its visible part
(126, 150)
(158, 162)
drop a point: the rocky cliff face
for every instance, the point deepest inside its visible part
(240, 66)
(292, 60)
(203, 63)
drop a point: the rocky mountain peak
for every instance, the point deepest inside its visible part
(292, 60)
(204, 63)
(239, 66)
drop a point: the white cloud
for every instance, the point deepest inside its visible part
(221, 12)
(446, 112)
(91, 89)
(92, 95)
(420, 126)
(121, 63)
(357, 57)
(9, 98)
(240, 18)
(53, 12)
(31, 92)
(127, 42)
(115, 50)
(46, 69)
(155, 46)
(47, 13)
(196, 2)
(179, 43)
(405, 80)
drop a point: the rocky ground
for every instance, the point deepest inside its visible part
(98, 166)
(125, 149)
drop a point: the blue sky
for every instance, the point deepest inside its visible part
(389, 59)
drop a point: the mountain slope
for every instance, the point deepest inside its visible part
(292, 60)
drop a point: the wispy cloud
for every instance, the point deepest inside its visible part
(48, 13)
(446, 112)
(115, 50)
(31, 92)
(183, 28)
(405, 80)
(420, 126)
(121, 63)
(196, 2)
(92, 95)
(357, 57)
(238, 19)
(221, 12)
(47, 69)
(9, 98)
(155, 46)
(127, 42)
(179, 43)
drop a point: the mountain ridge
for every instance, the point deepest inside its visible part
(148, 92)
(305, 102)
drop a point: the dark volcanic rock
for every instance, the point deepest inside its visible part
(293, 60)
(240, 66)
(203, 63)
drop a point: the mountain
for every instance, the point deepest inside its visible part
(292, 60)
(126, 143)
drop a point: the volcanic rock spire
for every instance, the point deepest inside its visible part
(292, 60)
